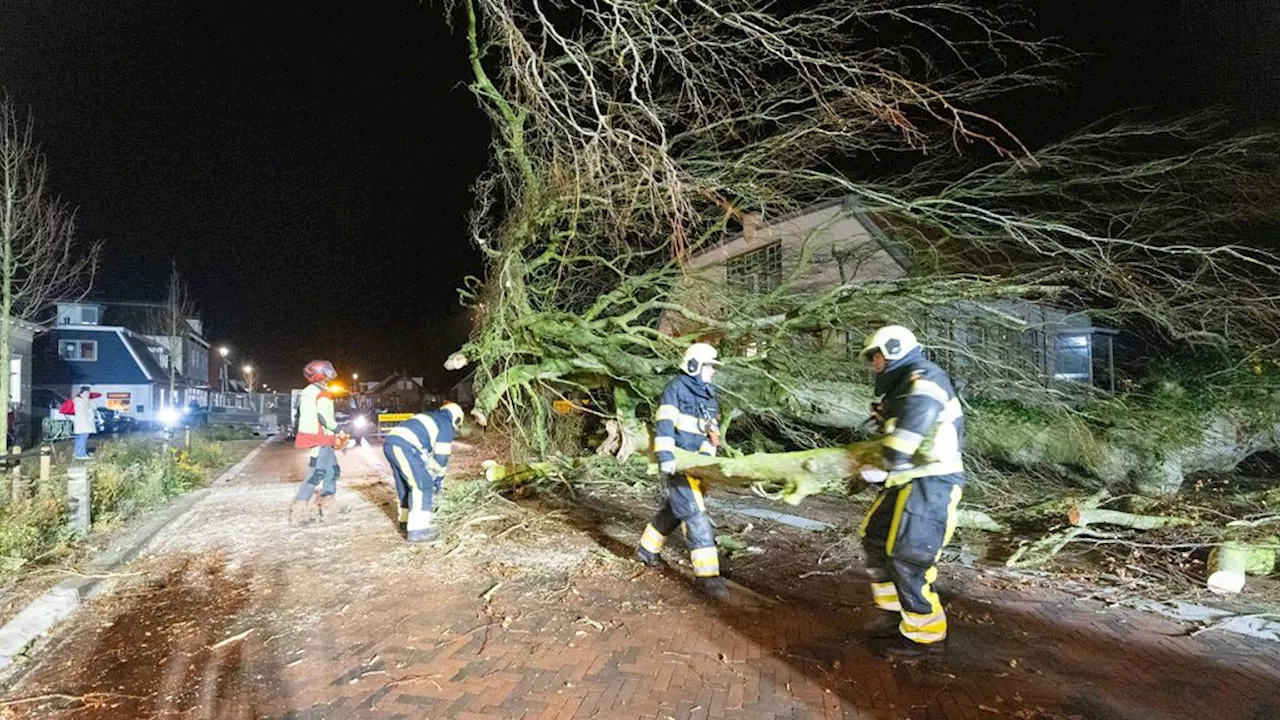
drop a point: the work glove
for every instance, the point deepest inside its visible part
(714, 438)
(433, 467)
(872, 475)
(667, 467)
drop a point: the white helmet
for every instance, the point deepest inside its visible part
(454, 410)
(893, 341)
(697, 355)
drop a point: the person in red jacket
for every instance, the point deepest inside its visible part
(83, 422)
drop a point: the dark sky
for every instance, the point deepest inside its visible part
(309, 168)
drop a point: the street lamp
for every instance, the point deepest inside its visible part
(224, 351)
(248, 377)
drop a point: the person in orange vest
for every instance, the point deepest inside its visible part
(318, 433)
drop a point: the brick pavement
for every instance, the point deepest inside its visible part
(237, 616)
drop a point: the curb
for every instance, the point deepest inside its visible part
(63, 599)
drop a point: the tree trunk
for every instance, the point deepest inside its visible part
(1231, 561)
(1085, 516)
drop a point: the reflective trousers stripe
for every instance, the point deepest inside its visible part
(403, 516)
(419, 513)
(652, 540)
(885, 596)
(924, 629)
(706, 561)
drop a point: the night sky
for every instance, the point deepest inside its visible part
(309, 169)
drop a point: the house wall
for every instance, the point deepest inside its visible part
(20, 347)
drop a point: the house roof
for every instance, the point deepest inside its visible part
(136, 316)
(140, 348)
(849, 204)
(391, 380)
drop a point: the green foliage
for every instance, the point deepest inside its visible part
(127, 476)
(31, 529)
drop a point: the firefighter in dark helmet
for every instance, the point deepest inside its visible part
(922, 431)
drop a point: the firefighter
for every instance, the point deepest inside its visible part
(687, 418)
(418, 451)
(922, 429)
(317, 431)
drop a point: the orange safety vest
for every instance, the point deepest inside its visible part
(316, 423)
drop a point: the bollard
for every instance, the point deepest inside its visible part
(186, 440)
(78, 494)
(46, 465)
(16, 483)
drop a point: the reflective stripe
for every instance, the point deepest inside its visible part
(899, 477)
(652, 540)
(689, 423)
(885, 596)
(706, 561)
(898, 505)
(407, 435)
(866, 519)
(706, 448)
(664, 444)
(953, 517)
(419, 520)
(929, 388)
(904, 441)
(951, 412)
(667, 412)
(403, 516)
(924, 629)
(696, 486)
(442, 448)
(417, 500)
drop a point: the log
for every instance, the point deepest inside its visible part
(977, 520)
(797, 475)
(1084, 516)
(1231, 561)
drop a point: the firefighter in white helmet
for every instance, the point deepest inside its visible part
(688, 418)
(922, 430)
(318, 434)
(418, 452)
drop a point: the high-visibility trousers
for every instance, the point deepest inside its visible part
(683, 503)
(415, 485)
(903, 534)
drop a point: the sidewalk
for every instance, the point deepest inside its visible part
(236, 615)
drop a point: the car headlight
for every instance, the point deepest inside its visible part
(360, 421)
(169, 417)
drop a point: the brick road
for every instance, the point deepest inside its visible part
(235, 615)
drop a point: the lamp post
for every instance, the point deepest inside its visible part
(224, 351)
(248, 377)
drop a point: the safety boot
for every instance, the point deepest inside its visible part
(426, 535)
(300, 512)
(900, 648)
(328, 505)
(883, 625)
(650, 559)
(714, 587)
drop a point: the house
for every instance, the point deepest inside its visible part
(834, 243)
(189, 348)
(399, 391)
(87, 346)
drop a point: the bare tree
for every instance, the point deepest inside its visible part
(39, 261)
(630, 135)
(170, 324)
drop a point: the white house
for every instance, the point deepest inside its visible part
(832, 243)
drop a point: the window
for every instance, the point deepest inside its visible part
(15, 381)
(81, 350)
(1072, 359)
(88, 316)
(758, 271)
(120, 402)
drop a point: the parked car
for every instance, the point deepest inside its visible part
(112, 421)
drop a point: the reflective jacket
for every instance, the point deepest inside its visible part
(687, 413)
(923, 423)
(316, 424)
(430, 433)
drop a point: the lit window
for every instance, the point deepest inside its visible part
(15, 381)
(758, 271)
(1072, 359)
(79, 350)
